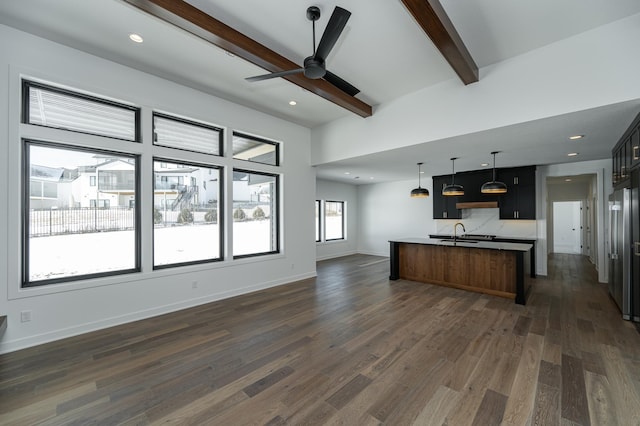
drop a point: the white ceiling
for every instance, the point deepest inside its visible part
(382, 51)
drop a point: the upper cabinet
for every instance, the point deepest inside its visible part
(520, 200)
(626, 155)
(518, 203)
(444, 207)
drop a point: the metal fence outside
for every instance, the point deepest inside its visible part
(80, 220)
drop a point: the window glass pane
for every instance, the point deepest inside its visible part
(251, 148)
(66, 110)
(182, 134)
(317, 220)
(255, 213)
(334, 220)
(75, 229)
(186, 217)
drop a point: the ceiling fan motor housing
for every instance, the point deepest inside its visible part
(314, 68)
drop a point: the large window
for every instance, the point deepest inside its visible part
(74, 230)
(334, 220)
(186, 217)
(255, 213)
(81, 194)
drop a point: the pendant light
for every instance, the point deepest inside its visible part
(494, 187)
(419, 192)
(453, 189)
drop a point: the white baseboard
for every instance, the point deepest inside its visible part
(26, 342)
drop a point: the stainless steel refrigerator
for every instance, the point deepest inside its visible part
(620, 251)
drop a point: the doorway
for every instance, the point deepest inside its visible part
(567, 227)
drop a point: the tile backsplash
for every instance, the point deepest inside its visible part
(487, 221)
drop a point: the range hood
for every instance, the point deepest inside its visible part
(477, 205)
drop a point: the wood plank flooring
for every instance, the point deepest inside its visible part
(351, 348)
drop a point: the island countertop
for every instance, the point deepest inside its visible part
(491, 245)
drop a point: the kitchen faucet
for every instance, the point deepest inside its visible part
(455, 227)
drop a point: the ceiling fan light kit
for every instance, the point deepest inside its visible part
(494, 187)
(419, 192)
(453, 189)
(314, 66)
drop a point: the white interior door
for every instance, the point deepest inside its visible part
(567, 234)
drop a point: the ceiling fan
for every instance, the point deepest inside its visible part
(314, 65)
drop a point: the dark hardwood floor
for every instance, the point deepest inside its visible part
(349, 347)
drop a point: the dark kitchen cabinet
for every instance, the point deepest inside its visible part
(444, 207)
(472, 183)
(634, 146)
(520, 200)
(625, 155)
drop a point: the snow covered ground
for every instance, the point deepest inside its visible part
(60, 256)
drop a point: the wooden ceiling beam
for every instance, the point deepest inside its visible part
(193, 20)
(433, 19)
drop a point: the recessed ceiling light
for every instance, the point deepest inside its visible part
(567, 180)
(484, 164)
(292, 103)
(136, 37)
(347, 173)
(421, 172)
(371, 177)
(572, 154)
(576, 137)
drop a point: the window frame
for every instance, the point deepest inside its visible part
(24, 108)
(220, 131)
(257, 139)
(221, 222)
(318, 208)
(342, 232)
(25, 218)
(276, 223)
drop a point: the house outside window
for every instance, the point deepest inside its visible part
(185, 231)
(64, 240)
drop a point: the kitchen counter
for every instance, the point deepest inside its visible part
(490, 245)
(496, 268)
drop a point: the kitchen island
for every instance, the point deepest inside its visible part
(496, 268)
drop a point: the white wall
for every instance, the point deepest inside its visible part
(72, 308)
(589, 70)
(388, 212)
(335, 191)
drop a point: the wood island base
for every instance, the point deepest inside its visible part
(501, 273)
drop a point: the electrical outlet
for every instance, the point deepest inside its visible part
(293, 266)
(25, 316)
(194, 284)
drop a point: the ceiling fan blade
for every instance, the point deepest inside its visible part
(274, 75)
(341, 84)
(332, 32)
